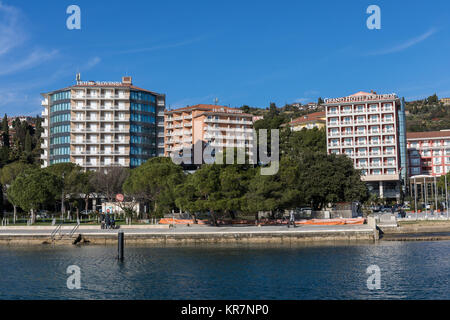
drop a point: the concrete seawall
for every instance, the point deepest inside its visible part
(199, 235)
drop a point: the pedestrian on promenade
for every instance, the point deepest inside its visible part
(291, 219)
(108, 221)
(102, 221)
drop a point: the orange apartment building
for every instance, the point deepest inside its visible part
(210, 125)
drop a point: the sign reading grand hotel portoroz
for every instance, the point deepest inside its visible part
(371, 97)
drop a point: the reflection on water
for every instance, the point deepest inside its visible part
(409, 270)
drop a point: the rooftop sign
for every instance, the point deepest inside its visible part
(99, 83)
(360, 98)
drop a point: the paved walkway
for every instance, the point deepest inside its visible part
(197, 230)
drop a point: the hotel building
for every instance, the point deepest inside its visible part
(429, 153)
(101, 124)
(208, 125)
(370, 129)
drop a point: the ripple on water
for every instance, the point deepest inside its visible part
(409, 270)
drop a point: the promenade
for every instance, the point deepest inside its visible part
(193, 234)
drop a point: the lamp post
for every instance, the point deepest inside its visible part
(446, 195)
(425, 188)
(435, 195)
(415, 196)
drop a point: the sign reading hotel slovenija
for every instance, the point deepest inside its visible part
(362, 98)
(98, 83)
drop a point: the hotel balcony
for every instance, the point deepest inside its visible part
(188, 125)
(44, 102)
(44, 134)
(101, 96)
(228, 121)
(100, 152)
(44, 113)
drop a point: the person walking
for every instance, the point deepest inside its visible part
(102, 221)
(108, 221)
(291, 219)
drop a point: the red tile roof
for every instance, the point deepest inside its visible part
(205, 107)
(309, 117)
(428, 135)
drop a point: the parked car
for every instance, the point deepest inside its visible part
(42, 214)
(86, 212)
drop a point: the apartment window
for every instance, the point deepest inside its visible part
(415, 162)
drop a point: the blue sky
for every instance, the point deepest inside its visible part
(242, 52)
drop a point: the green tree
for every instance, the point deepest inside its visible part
(7, 176)
(155, 181)
(72, 183)
(34, 188)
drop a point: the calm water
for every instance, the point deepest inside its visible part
(409, 270)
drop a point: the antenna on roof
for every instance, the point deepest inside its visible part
(216, 101)
(78, 77)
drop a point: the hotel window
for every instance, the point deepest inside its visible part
(390, 171)
(390, 150)
(447, 143)
(360, 119)
(415, 162)
(438, 169)
(387, 106)
(364, 172)
(437, 152)
(335, 151)
(333, 110)
(360, 130)
(390, 161)
(360, 108)
(415, 170)
(447, 160)
(373, 119)
(61, 96)
(347, 120)
(389, 128)
(349, 152)
(376, 172)
(437, 160)
(447, 169)
(347, 109)
(373, 107)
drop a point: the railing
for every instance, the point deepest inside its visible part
(55, 231)
(74, 229)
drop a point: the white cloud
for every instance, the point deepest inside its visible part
(164, 46)
(11, 34)
(37, 57)
(405, 45)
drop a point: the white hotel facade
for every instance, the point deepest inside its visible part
(365, 127)
(101, 124)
